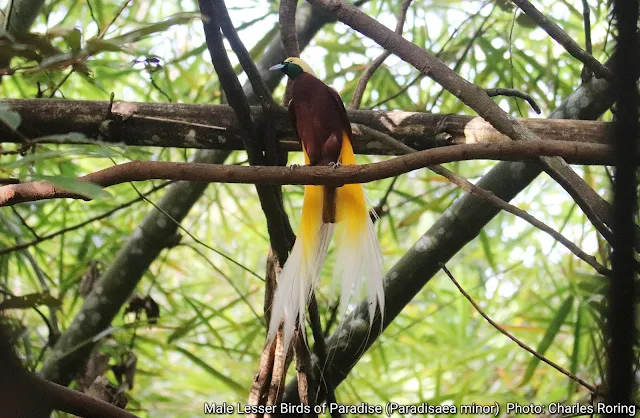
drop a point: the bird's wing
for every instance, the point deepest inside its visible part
(342, 111)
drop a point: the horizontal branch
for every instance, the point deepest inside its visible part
(157, 170)
(215, 127)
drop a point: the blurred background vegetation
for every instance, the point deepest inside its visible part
(207, 340)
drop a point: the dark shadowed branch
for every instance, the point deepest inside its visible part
(270, 200)
(622, 329)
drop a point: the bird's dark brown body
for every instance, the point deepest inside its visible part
(320, 119)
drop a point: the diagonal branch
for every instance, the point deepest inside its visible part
(514, 339)
(565, 40)
(356, 100)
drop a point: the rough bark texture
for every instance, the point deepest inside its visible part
(186, 126)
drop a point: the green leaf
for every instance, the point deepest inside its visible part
(548, 338)
(232, 384)
(486, 247)
(136, 35)
(9, 117)
(73, 185)
(575, 354)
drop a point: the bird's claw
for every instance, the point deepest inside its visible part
(334, 165)
(294, 166)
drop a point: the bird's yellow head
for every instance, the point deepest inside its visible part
(293, 67)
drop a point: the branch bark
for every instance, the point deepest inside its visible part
(154, 170)
(181, 125)
(595, 208)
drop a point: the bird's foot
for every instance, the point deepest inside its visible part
(294, 166)
(334, 165)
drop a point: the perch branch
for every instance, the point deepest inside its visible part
(159, 170)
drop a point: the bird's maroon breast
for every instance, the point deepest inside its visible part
(320, 119)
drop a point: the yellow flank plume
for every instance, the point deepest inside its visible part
(357, 252)
(358, 258)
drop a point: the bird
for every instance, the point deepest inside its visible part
(321, 123)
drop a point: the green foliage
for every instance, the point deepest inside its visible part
(208, 340)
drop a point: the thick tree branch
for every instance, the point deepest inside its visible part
(622, 330)
(150, 170)
(182, 125)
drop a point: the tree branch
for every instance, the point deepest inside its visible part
(460, 224)
(181, 125)
(565, 40)
(150, 170)
(514, 339)
(277, 220)
(371, 68)
(514, 93)
(597, 209)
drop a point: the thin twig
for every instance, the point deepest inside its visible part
(93, 16)
(565, 40)
(514, 93)
(81, 224)
(103, 32)
(507, 207)
(321, 353)
(371, 69)
(24, 222)
(514, 339)
(586, 18)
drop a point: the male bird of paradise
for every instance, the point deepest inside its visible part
(322, 126)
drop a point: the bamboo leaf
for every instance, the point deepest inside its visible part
(549, 336)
